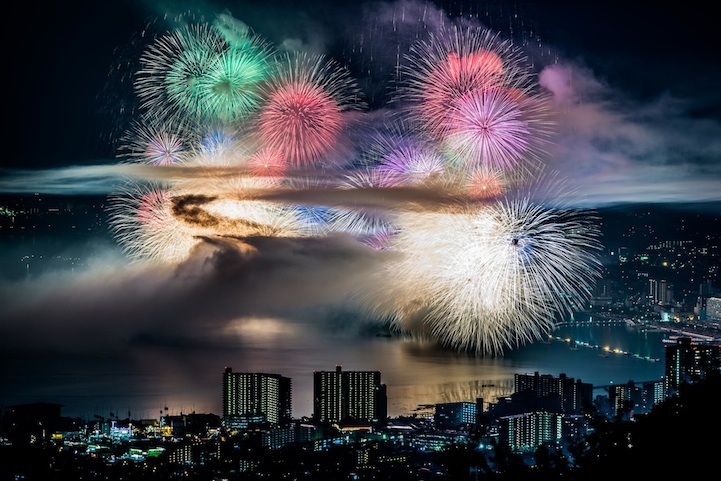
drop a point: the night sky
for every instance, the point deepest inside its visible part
(636, 86)
(638, 119)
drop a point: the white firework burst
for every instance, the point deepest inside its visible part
(143, 222)
(486, 278)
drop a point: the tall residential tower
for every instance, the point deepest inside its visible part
(349, 397)
(265, 397)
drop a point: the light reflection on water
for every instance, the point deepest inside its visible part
(189, 379)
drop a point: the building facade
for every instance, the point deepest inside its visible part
(688, 361)
(259, 396)
(569, 395)
(527, 431)
(713, 308)
(455, 414)
(348, 397)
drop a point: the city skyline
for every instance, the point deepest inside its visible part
(626, 130)
(542, 414)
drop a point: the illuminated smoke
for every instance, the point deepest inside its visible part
(445, 190)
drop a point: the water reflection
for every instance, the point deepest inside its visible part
(187, 377)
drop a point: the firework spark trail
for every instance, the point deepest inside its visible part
(302, 117)
(156, 143)
(475, 94)
(194, 75)
(467, 257)
(487, 278)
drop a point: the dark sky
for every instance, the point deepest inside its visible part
(641, 120)
(61, 55)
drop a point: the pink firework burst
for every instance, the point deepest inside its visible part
(267, 163)
(489, 128)
(152, 208)
(454, 64)
(485, 184)
(499, 128)
(302, 117)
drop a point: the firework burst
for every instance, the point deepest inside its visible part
(491, 277)
(268, 164)
(402, 156)
(496, 128)
(143, 222)
(154, 143)
(411, 164)
(219, 147)
(303, 115)
(483, 183)
(475, 93)
(230, 87)
(266, 145)
(194, 75)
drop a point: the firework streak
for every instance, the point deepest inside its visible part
(446, 186)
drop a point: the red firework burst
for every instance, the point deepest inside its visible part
(301, 121)
(454, 79)
(302, 117)
(267, 163)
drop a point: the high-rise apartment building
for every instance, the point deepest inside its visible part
(347, 397)
(621, 397)
(688, 361)
(455, 414)
(256, 396)
(529, 430)
(653, 293)
(571, 396)
(713, 308)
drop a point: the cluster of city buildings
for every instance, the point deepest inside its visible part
(657, 278)
(350, 409)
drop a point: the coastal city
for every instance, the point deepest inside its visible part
(670, 286)
(369, 240)
(349, 436)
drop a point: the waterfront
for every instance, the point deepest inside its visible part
(83, 328)
(187, 378)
